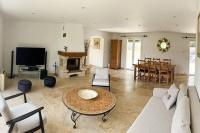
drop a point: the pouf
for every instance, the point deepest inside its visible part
(24, 85)
(49, 81)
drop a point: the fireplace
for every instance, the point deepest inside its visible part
(73, 64)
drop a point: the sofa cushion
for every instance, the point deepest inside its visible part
(182, 92)
(195, 109)
(101, 73)
(181, 118)
(171, 96)
(154, 118)
(28, 123)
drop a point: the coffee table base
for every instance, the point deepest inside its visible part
(75, 116)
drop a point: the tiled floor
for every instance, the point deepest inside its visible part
(131, 98)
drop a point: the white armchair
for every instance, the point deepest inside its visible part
(101, 78)
(22, 118)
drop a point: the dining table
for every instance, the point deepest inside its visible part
(171, 70)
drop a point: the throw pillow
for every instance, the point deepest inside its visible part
(4, 109)
(170, 96)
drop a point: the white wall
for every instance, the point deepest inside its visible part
(179, 51)
(103, 57)
(47, 35)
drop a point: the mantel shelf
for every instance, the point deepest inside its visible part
(72, 54)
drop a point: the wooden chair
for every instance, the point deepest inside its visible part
(152, 72)
(164, 73)
(167, 60)
(156, 59)
(142, 69)
(147, 59)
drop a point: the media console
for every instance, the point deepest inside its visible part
(29, 70)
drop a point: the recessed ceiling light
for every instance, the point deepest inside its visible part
(174, 16)
(33, 13)
(126, 18)
(140, 25)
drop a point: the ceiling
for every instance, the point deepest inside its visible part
(109, 15)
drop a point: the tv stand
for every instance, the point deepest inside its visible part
(29, 70)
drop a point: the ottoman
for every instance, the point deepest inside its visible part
(49, 81)
(24, 85)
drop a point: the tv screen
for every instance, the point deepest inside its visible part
(30, 56)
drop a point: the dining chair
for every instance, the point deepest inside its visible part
(156, 59)
(152, 72)
(164, 73)
(147, 59)
(167, 60)
(22, 118)
(142, 69)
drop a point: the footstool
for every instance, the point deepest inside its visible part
(49, 81)
(24, 85)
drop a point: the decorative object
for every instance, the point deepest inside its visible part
(65, 48)
(86, 44)
(96, 43)
(55, 69)
(163, 44)
(50, 81)
(198, 37)
(87, 94)
(24, 85)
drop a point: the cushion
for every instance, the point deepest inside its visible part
(170, 96)
(28, 123)
(4, 109)
(195, 109)
(182, 92)
(101, 73)
(101, 82)
(181, 118)
(154, 118)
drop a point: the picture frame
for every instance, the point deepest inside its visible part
(97, 42)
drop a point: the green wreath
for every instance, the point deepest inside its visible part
(163, 44)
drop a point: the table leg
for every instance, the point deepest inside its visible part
(104, 115)
(74, 118)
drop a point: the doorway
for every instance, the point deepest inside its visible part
(133, 52)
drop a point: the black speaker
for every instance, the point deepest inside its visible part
(43, 73)
(45, 61)
(11, 67)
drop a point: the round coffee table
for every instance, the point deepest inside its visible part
(100, 105)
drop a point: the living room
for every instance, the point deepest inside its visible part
(51, 53)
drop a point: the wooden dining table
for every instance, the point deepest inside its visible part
(171, 70)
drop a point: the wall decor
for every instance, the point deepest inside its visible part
(198, 37)
(97, 42)
(163, 44)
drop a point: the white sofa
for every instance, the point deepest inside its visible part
(155, 118)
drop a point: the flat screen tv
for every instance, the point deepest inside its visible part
(30, 56)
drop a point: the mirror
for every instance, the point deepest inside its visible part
(163, 45)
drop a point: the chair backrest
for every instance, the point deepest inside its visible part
(147, 59)
(156, 59)
(4, 109)
(167, 61)
(101, 73)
